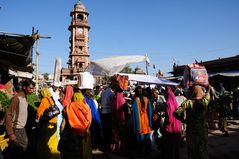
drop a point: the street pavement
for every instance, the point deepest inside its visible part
(220, 147)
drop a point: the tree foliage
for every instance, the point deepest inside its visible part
(127, 69)
(46, 76)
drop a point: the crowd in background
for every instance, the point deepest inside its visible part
(142, 118)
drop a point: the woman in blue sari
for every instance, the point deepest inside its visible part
(96, 127)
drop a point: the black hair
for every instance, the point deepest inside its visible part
(76, 88)
(139, 95)
(27, 83)
(97, 87)
(136, 90)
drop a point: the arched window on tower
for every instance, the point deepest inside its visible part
(81, 49)
(80, 17)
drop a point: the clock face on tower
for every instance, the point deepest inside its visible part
(80, 30)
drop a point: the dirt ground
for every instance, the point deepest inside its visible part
(220, 147)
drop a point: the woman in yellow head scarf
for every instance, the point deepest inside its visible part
(78, 96)
(47, 130)
(75, 139)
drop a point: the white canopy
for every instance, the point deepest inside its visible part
(20, 73)
(149, 79)
(114, 64)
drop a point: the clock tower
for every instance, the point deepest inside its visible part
(79, 56)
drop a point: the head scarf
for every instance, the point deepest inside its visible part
(68, 96)
(78, 97)
(45, 92)
(197, 92)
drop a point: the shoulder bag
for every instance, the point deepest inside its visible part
(50, 112)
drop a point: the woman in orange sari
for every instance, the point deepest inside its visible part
(47, 140)
(75, 136)
(142, 120)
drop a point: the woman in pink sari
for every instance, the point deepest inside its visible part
(172, 129)
(118, 121)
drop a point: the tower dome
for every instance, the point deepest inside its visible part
(79, 6)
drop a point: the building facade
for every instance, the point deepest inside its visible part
(79, 39)
(221, 70)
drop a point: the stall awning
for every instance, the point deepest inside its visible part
(227, 74)
(16, 52)
(112, 65)
(20, 74)
(149, 79)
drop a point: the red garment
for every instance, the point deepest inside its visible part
(68, 96)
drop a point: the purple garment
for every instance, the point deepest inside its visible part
(174, 125)
(118, 103)
(118, 121)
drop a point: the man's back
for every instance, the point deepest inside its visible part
(105, 100)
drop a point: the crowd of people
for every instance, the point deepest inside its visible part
(110, 119)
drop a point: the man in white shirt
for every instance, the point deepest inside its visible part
(106, 115)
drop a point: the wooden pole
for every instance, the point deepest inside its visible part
(37, 37)
(37, 56)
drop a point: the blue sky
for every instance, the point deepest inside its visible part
(167, 30)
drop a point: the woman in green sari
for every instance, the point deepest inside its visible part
(196, 131)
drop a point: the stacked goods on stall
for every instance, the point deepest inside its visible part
(120, 81)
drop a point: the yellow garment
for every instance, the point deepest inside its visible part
(78, 97)
(47, 141)
(45, 92)
(52, 144)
